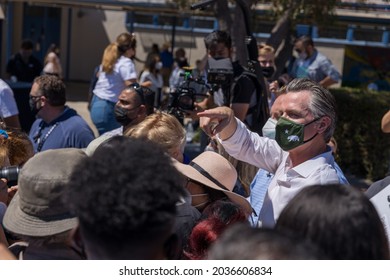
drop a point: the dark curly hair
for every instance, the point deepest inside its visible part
(126, 192)
(216, 37)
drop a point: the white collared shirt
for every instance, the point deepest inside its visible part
(265, 153)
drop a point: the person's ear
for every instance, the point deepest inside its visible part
(323, 124)
(172, 247)
(142, 110)
(43, 100)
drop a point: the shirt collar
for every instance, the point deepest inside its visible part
(66, 108)
(306, 168)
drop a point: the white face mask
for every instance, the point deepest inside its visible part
(200, 205)
(159, 65)
(269, 128)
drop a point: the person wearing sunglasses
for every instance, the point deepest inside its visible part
(116, 72)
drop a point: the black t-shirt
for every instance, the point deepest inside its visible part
(24, 72)
(243, 90)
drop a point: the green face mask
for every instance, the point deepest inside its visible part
(290, 135)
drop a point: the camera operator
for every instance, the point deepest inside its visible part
(241, 96)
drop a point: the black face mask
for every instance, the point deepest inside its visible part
(33, 106)
(268, 71)
(121, 115)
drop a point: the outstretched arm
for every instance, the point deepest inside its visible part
(218, 120)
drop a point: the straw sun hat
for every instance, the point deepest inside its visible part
(214, 171)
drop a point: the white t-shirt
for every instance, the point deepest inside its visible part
(8, 106)
(53, 66)
(156, 80)
(176, 78)
(109, 86)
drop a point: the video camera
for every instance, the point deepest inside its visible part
(220, 72)
(186, 94)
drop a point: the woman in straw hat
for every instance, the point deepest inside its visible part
(211, 177)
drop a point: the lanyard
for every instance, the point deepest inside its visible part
(40, 141)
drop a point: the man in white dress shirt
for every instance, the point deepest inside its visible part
(299, 156)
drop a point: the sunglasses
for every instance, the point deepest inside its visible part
(139, 91)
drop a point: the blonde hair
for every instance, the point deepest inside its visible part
(113, 51)
(265, 49)
(110, 56)
(161, 128)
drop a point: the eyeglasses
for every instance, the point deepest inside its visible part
(32, 97)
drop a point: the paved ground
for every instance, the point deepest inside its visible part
(77, 95)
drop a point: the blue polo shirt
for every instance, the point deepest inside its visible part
(69, 130)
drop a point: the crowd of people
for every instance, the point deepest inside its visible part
(133, 193)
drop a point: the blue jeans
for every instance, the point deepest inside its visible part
(102, 115)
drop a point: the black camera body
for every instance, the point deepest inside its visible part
(186, 94)
(10, 173)
(189, 92)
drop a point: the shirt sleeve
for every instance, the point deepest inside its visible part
(127, 70)
(8, 105)
(328, 69)
(82, 136)
(250, 147)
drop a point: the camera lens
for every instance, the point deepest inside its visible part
(186, 102)
(10, 173)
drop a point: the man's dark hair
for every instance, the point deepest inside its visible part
(145, 96)
(306, 40)
(242, 242)
(339, 219)
(53, 88)
(125, 197)
(27, 44)
(216, 37)
(149, 96)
